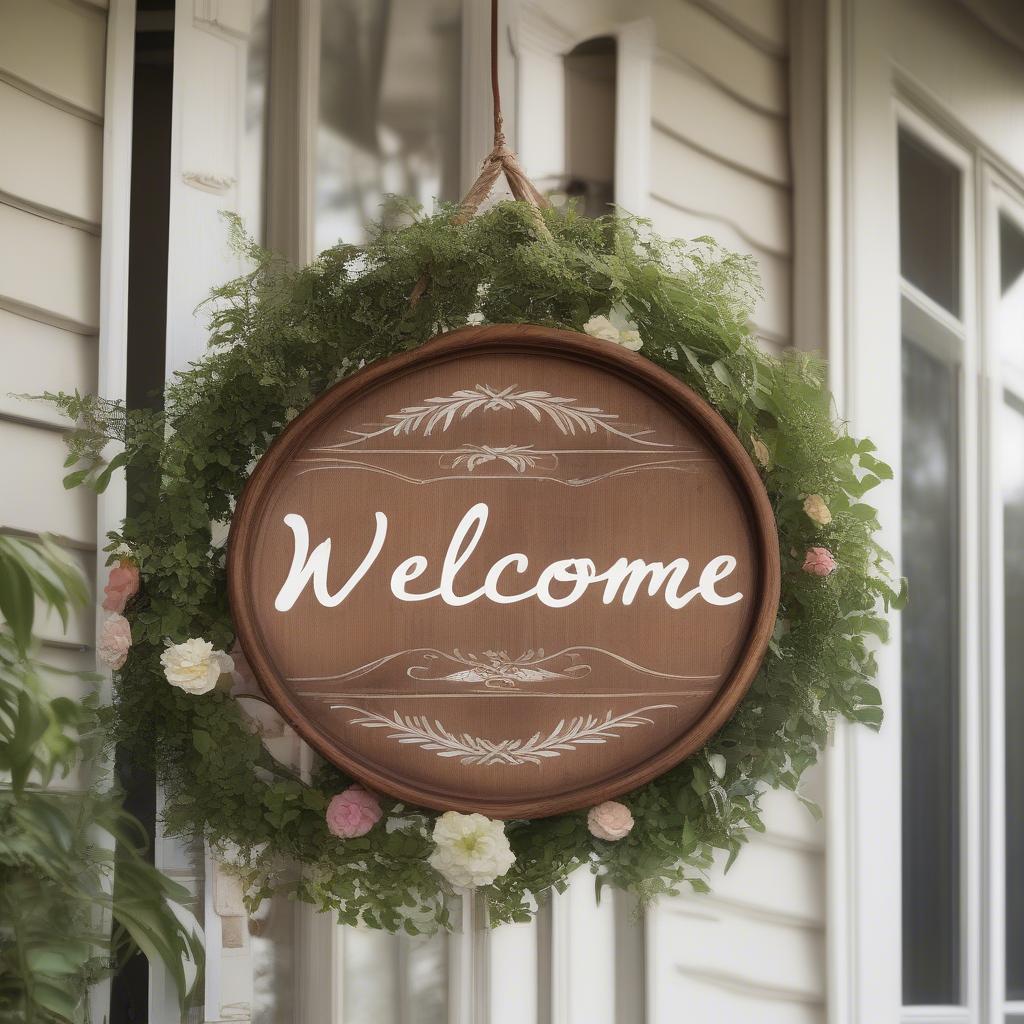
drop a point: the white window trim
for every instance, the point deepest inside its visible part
(863, 798)
(999, 197)
(112, 350)
(957, 340)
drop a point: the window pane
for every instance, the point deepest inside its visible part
(929, 222)
(931, 797)
(590, 71)
(390, 77)
(391, 978)
(1011, 443)
(1011, 303)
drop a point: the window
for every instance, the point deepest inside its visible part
(1010, 346)
(390, 79)
(590, 71)
(930, 189)
(389, 124)
(930, 259)
(962, 312)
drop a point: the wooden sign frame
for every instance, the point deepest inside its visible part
(526, 339)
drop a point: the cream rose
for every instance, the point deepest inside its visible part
(610, 821)
(601, 327)
(816, 509)
(470, 849)
(195, 666)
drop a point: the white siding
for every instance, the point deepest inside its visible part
(52, 67)
(55, 49)
(720, 165)
(720, 139)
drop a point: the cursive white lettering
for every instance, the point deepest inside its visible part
(622, 581)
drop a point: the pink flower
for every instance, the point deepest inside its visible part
(115, 641)
(611, 821)
(353, 812)
(819, 562)
(122, 585)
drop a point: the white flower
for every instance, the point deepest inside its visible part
(718, 764)
(470, 849)
(195, 666)
(603, 328)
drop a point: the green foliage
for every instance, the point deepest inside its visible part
(61, 884)
(280, 336)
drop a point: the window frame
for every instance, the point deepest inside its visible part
(971, 342)
(955, 340)
(1001, 383)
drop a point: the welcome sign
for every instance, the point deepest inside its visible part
(517, 571)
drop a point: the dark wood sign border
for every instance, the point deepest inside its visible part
(525, 338)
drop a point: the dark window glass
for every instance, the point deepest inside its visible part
(931, 772)
(590, 71)
(1011, 444)
(1011, 451)
(929, 222)
(1010, 323)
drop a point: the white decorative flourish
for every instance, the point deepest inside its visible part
(441, 412)
(495, 666)
(673, 465)
(497, 671)
(567, 735)
(520, 457)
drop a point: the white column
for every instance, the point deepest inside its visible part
(113, 325)
(633, 115)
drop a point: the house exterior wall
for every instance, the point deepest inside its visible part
(52, 75)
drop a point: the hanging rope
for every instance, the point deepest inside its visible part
(500, 160)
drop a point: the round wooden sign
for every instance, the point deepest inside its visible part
(517, 571)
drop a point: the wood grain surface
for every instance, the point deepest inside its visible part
(566, 656)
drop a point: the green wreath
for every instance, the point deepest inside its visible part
(280, 336)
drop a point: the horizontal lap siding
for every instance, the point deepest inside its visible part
(720, 141)
(755, 948)
(48, 270)
(60, 172)
(56, 49)
(720, 166)
(52, 69)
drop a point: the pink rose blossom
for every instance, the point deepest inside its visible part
(611, 821)
(353, 812)
(819, 562)
(122, 585)
(115, 641)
